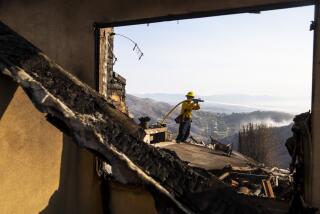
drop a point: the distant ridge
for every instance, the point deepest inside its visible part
(237, 103)
(205, 122)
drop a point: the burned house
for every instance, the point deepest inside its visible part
(63, 108)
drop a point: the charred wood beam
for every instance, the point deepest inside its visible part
(97, 126)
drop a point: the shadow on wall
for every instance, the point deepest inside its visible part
(80, 189)
(6, 84)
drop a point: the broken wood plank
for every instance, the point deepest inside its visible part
(268, 188)
(223, 176)
(234, 183)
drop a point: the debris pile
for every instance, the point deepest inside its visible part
(258, 181)
(254, 179)
(214, 145)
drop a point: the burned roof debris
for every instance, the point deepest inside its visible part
(239, 172)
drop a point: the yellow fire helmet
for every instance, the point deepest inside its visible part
(190, 94)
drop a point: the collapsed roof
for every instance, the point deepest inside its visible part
(97, 126)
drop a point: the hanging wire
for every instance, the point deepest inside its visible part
(135, 47)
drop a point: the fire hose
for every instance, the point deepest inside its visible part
(176, 106)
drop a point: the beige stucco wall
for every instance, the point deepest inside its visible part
(40, 170)
(29, 163)
(133, 200)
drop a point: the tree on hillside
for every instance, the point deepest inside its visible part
(259, 142)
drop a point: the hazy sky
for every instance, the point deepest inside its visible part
(257, 54)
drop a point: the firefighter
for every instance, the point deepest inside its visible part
(185, 117)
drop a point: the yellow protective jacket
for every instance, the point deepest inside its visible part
(187, 107)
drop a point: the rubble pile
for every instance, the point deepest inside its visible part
(259, 181)
(254, 179)
(214, 145)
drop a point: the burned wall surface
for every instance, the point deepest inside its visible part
(111, 84)
(104, 54)
(313, 181)
(117, 92)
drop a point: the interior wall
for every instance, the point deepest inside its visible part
(30, 157)
(42, 171)
(58, 29)
(133, 200)
(79, 189)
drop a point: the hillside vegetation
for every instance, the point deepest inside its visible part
(205, 123)
(265, 144)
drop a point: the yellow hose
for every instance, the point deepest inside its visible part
(167, 115)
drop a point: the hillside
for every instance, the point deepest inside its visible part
(229, 103)
(265, 144)
(205, 123)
